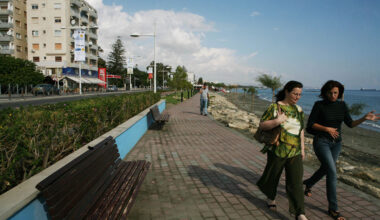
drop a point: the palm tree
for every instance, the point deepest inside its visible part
(272, 82)
(252, 90)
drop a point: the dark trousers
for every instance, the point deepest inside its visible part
(293, 173)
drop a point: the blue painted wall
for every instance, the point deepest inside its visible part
(125, 142)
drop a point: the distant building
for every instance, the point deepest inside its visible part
(51, 27)
(13, 28)
(191, 78)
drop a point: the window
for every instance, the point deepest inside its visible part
(36, 46)
(44, 31)
(18, 48)
(36, 59)
(34, 6)
(44, 45)
(35, 33)
(44, 18)
(18, 36)
(57, 20)
(57, 33)
(18, 23)
(17, 10)
(35, 20)
(58, 59)
(57, 5)
(58, 46)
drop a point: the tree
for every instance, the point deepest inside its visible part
(356, 108)
(19, 71)
(116, 62)
(101, 63)
(271, 82)
(140, 78)
(179, 80)
(252, 90)
(200, 81)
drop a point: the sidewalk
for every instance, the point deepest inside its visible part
(203, 170)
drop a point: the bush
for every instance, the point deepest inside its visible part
(35, 137)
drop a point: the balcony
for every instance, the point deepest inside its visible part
(93, 13)
(7, 51)
(92, 56)
(76, 2)
(6, 25)
(74, 13)
(85, 9)
(5, 38)
(92, 35)
(6, 12)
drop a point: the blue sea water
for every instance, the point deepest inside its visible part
(371, 100)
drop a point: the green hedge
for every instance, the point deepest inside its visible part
(35, 137)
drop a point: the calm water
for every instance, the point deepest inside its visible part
(371, 99)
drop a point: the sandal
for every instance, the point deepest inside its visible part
(336, 215)
(272, 207)
(308, 192)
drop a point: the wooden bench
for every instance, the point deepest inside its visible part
(95, 185)
(159, 118)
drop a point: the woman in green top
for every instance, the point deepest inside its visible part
(290, 151)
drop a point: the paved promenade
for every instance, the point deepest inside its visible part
(204, 170)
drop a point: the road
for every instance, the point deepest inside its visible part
(18, 101)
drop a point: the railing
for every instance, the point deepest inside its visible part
(6, 25)
(5, 37)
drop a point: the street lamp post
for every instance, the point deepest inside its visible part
(77, 28)
(154, 54)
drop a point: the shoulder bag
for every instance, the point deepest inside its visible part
(272, 136)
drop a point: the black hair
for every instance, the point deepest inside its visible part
(328, 86)
(289, 86)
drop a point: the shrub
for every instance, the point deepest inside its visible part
(35, 137)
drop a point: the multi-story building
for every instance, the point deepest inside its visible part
(51, 25)
(13, 28)
(191, 78)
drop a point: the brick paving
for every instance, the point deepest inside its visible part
(204, 170)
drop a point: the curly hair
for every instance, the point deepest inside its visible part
(328, 86)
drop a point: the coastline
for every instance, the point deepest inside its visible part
(358, 161)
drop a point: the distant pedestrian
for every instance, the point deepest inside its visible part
(289, 152)
(324, 123)
(204, 98)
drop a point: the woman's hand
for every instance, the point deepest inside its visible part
(333, 132)
(281, 118)
(372, 116)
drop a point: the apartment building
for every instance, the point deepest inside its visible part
(13, 28)
(51, 25)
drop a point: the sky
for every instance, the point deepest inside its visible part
(236, 41)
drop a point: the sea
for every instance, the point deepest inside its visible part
(370, 99)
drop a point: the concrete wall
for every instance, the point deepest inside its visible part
(24, 201)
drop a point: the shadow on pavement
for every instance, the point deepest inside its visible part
(229, 185)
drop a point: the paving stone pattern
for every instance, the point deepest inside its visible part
(204, 170)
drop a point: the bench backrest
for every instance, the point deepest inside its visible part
(72, 190)
(155, 112)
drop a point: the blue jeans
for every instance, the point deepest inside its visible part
(204, 106)
(327, 152)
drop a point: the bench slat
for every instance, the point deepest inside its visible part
(46, 182)
(122, 199)
(96, 185)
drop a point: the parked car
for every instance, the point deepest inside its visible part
(112, 88)
(45, 89)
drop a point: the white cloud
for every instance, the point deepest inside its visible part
(179, 41)
(255, 13)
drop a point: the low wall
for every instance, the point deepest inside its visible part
(24, 202)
